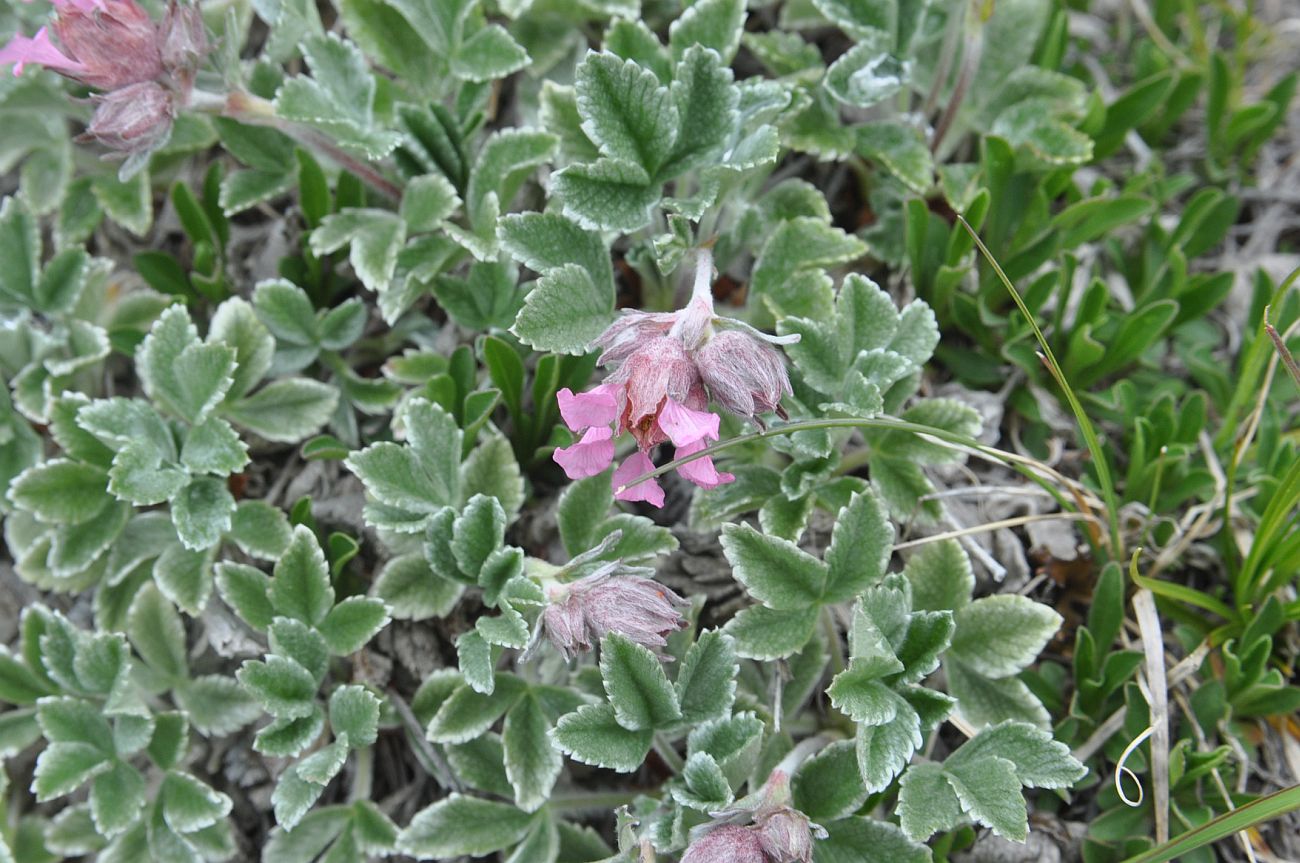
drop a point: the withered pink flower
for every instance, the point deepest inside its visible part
(730, 843)
(615, 598)
(781, 833)
(145, 70)
(666, 367)
(786, 835)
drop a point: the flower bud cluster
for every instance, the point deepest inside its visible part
(778, 832)
(144, 69)
(666, 368)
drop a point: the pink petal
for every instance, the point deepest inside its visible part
(685, 426)
(596, 407)
(38, 49)
(637, 464)
(589, 456)
(701, 471)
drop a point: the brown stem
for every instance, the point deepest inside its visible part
(1282, 350)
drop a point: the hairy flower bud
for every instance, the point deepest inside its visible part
(132, 119)
(184, 44)
(634, 606)
(786, 835)
(730, 843)
(115, 41)
(745, 375)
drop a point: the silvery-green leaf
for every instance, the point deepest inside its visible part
(592, 735)
(375, 237)
(427, 201)
(706, 681)
(184, 576)
(506, 160)
(775, 571)
(901, 149)
(284, 688)
(301, 586)
(354, 711)
(565, 311)
(116, 797)
(532, 763)
(352, 623)
(866, 74)
(260, 529)
(190, 805)
(990, 792)
(489, 54)
(156, 632)
(631, 39)
(626, 111)
(861, 19)
(998, 636)
(201, 512)
(706, 101)
(926, 802)
(828, 785)
(715, 24)
(608, 194)
(413, 590)
(285, 410)
(235, 323)
(636, 685)
(214, 447)
(703, 785)
(798, 247)
(762, 633)
(459, 825)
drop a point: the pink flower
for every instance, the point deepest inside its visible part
(612, 599)
(781, 833)
(115, 42)
(666, 367)
(589, 456)
(145, 70)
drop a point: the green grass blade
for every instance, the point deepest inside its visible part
(1255, 812)
(1086, 427)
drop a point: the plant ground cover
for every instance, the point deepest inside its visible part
(649, 431)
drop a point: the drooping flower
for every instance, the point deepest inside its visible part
(666, 368)
(615, 598)
(146, 71)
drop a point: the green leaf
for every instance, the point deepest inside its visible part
(706, 101)
(608, 194)
(289, 737)
(181, 373)
(899, 147)
(625, 111)
(564, 311)
(170, 740)
(706, 683)
(491, 470)
(138, 476)
(547, 241)
(775, 571)
(592, 735)
(998, 636)
(216, 704)
(927, 803)
(374, 831)
(861, 545)
(1040, 761)
(413, 591)
(235, 324)
(287, 312)
(505, 161)
(283, 687)
(463, 825)
(704, 787)
(990, 792)
(884, 750)
(864, 699)
(351, 624)
(260, 529)
(338, 99)
(985, 701)
(156, 632)
(201, 512)
(189, 805)
(941, 577)
(788, 274)
(75, 720)
(764, 634)
(489, 298)
(866, 75)
(354, 711)
(61, 768)
(304, 645)
(214, 447)
(532, 764)
(116, 798)
(828, 786)
(715, 24)
(286, 410)
(374, 236)
(246, 589)
(468, 713)
(294, 796)
(20, 248)
(636, 685)
(60, 491)
(477, 532)
(868, 840)
(301, 585)
(583, 505)
(489, 54)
